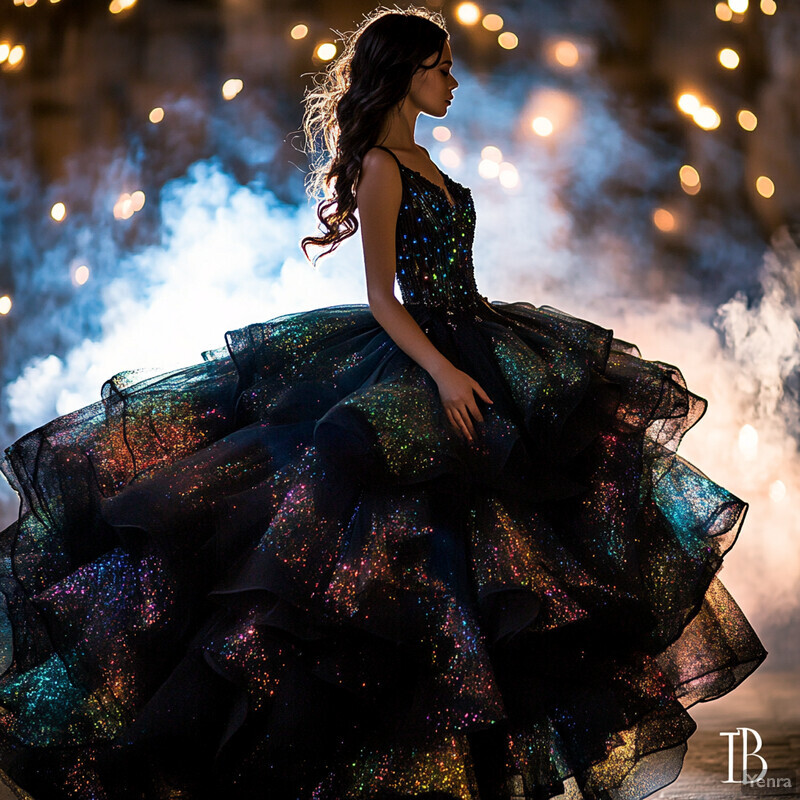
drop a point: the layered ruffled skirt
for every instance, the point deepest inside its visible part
(281, 573)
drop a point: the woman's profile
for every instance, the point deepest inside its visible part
(436, 546)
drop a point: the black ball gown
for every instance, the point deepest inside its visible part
(280, 573)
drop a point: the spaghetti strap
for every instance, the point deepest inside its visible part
(399, 163)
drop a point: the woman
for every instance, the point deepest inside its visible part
(437, 549)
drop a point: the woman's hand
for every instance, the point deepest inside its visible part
(457, 389)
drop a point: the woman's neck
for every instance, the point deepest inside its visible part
(397, 132)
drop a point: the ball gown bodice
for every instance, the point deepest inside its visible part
(433, 242)
(279, 572)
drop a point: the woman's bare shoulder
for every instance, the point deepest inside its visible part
(376, 159)
(379, 175)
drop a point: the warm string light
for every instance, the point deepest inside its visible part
(5, 304)
(232, 87)
(728, 58)
(118, 6)
(58, 212)
(468, 13)
(156, 115)
(299, 31)
(542, 126)
(705, 116)
(11, 55)
(508, 40)
(723, 12)
(566, 54)
(325, 51)
(764, 186)
(664, 220)
(128, 204)
(690, 179)
(492, 22)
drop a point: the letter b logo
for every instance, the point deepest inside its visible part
(745, 755)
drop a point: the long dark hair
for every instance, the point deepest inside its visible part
(346, 108)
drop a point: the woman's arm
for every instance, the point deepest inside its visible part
(378, 196)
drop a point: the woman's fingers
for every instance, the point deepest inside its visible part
(473, 409)
(458, 422)
(479, 389)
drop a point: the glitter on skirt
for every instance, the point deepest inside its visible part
(280, 573)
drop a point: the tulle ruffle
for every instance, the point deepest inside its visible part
(280, 569)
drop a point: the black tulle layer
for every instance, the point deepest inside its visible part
(280, 573)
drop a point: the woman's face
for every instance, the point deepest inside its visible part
(432, 89)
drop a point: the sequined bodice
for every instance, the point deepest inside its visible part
(434, 243)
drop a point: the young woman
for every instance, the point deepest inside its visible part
(438, 548)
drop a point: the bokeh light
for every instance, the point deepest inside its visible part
(299, 31)
(664, 220)
(566, 53)
(507, 40)
(488, 169)
(689, 103)
(58, 212)
(5, 304)
(738, 6)
(156, 115)
(777, 491)
(508, 175)
(325, 51)
(689, 175)
(690, 179)
(728, 58)
(468, 13)
(15, 55)
(723, 12)
(232, 87)
(491, 158)
(137, 200)
(450, 158)
(769, 7)
(128, 204)
(441, 133)
(707, 118)
(5, 49)
(81, 275)
(118, 6)
(747, 119)
(542, 126)
(492, 22)
(764, 186)
(748, 441)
